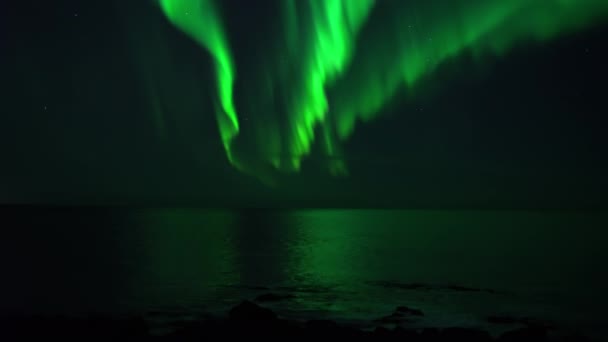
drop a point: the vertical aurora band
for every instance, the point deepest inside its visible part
(323, 53)
(409, 41)
(200, 19)
(332, 63)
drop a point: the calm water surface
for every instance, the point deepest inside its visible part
(356, 265)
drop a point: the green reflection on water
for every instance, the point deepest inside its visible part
(186, 255)
(337, 260)
(521, 250)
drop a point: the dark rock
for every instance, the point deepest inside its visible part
(400, 315)
(248, 311)
(537, 323)
(465, 334)
(263, 288)
(529, 322)
(394, 318)
(527, 334)
(321, 324)
(91, 328)
(327, 329)
(273, 297)
(409, 311)
(194, 331)
(382, 332)
(429, 335)
(405, 334)
(503, 320)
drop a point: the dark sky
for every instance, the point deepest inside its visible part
(524, 130)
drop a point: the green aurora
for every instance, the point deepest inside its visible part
(333, 63)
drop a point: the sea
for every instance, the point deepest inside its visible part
(169, 265)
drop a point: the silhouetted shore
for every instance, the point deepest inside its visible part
(249, 320)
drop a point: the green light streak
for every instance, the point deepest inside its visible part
(415, 40)
(202, 22)
(335, 25)
(332, 63)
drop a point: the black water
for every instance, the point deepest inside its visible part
(352, 265)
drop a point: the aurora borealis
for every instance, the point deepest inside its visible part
(328, 64)
(326, 159)
(302, 103)
(160, 154)
(202, 21)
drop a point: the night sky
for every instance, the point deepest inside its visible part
(278, 103)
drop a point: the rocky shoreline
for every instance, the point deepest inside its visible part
(250, 320)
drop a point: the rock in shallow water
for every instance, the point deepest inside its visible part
(248, 311)
(409, 311)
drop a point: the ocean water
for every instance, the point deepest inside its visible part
(351, 265)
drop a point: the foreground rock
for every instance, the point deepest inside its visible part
(248, 321)
(402, 314)
(528, 334)
(248, 311)
(409, 311)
